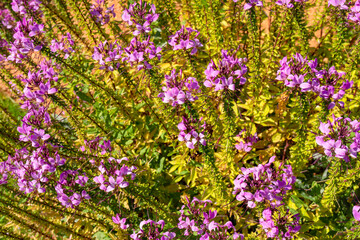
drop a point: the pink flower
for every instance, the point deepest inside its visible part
(356, 212)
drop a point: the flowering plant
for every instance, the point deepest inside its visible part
(160, 120)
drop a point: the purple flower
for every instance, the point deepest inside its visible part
(142, 15)
(263, 184)
(356, 212)
(185, 39)
(302, 75)
(139, 53)
(338, 3)
(354, 14)
(279, 226)
(340, 138)
(227, 75)
(252, 3)
(113, 177)
(6, 19)
(190, 134)
(120, 221)
(179, 89)
(108, 55)
(150, 229)
(246, 142)
(287, 3)
(195, 219)
(64, 45)
(100, 14)
(66, 191)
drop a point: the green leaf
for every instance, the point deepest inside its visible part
(101, 236)
(298, 202)
(83, 96)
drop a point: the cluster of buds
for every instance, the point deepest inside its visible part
(141, 15)
(341, 138)
(228, 74)
(322, 82)
(99, 13)
(179, 89)
(192, 132)
(65, 187)
(150, 229)
(112, 175)
(246, 141)
(278, 225)
(263, 184)
(197, 220)
(183, 39)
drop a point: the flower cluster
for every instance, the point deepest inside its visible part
(228, 74)
(31, 168)
(107, 54)
(34, 164)
(263, 183)
(246, 142)
(36, 90)
(141, 15)
(179, 89)
(197, 220)
(64, 188)
(190, 132)
(112, 176)
(341, 138)
(139, 53)
(23, 42)
(293, 71)
(182, 39)
(150, 229)
(322, 82)
(101, 15)
(64, 45)
(279, 226)
(24, 30)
